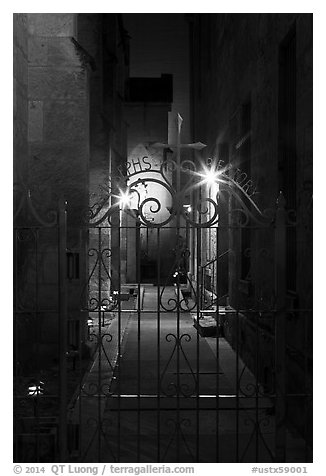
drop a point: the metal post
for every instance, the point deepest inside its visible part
(99, 362)
(198, 308)
(158, 414)
(62, 242)
(139, 307)
(179, 205)
(217, 368)
(280, 329)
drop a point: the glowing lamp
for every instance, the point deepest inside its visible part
(124, 199)
(210, 176)
(35, 389)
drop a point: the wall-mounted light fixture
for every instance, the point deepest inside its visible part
(212, 171)
(89, 327)
(124, 199)
(210, 175)
(35, 388)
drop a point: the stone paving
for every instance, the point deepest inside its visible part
(134, 413)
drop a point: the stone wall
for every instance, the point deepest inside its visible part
(239, 63)
(102, 36)
(69, 139)
(239, 60)
(51, 159)
(58, 110)
(20, 95)
(236, 64)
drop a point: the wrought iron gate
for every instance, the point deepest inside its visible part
(193, 366)
(40, 328)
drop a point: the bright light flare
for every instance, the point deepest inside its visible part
(210, 175)
(124, 199)
(35, 389)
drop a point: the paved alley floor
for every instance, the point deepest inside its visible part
(158, 402)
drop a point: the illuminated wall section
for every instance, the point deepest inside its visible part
(150, 196)
(147, 124)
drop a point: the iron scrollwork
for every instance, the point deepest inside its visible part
(99, 274)
(208, 209)
(186, 389)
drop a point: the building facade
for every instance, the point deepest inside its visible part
(69, 135)
(251, 103)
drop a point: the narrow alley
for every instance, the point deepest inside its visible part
(163, 237)
(143, 416)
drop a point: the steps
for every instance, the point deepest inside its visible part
(207, 323)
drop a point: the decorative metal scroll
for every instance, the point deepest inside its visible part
(178, 426)
(30, 209)
(257, 441)
(99, 273)
(180, 300)
(189, 385)
(152, 212)
(154, 198)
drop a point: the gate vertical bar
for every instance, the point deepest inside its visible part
(178, 423)
(217, 318)
(99, 363)
(138, 263)
(15, 335)
(118, 364)
(305, 388)
(179, 122)
(237, 408)
(198, 230)
(199, 303)
(280, 342)
(158, 421)
(62, 242)
(257, 378)
(36, 402)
